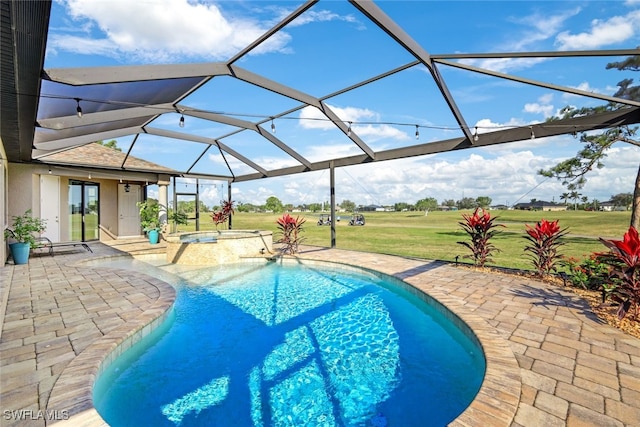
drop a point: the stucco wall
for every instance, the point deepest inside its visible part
(25, 194)
(21, 196)
(108, 209)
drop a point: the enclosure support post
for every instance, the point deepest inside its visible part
(229, 198)
(163, 198)
(332, 175)
(197, 204)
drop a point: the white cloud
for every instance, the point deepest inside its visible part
(504, 65)
(162, 29)
(321, 16)
(362, 122)
(510, 177)
(601, 33)
(536, 28)
(313, 118)
(535, 108)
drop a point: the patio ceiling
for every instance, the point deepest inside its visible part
(131, 101)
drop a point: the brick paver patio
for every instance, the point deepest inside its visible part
(550, 361)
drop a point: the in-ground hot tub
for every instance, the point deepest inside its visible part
(217, 247)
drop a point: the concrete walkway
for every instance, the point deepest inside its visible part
(549, 360)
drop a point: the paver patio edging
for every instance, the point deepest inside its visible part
(72, 393)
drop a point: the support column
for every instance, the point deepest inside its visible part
(229, 198)
(163, 197)
(332, 179)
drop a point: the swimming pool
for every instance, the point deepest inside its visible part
(273, 344)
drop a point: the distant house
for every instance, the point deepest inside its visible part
(372, 208)
(499, 207)
(447, 208)
(609, 206)
(540, 205)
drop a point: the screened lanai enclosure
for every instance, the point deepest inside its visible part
(239, 118)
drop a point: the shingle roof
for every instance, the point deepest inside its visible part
(98, 155)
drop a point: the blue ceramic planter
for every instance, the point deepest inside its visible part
(20, 252)
(154, 236)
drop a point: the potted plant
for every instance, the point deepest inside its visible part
(22, 232)
(150, 219)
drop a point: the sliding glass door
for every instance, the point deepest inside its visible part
(84, 209)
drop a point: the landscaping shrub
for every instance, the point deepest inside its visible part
(290, 229)
(590, 273)
(544, 240)
(624, 262)
(222, 216)
(481, 228)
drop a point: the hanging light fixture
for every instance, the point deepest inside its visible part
(417, 133)
(349, 130)
(78, 108)
(127, 188)
(273, 127)
(533, 135)
(574, 133)
(475, 135)
(181, 122)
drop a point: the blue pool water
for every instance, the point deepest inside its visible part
(278, 345)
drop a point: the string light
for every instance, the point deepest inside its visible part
(78, 108)
(475, 135)
(273, 127)
(417, 133)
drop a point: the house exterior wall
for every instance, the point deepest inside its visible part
(21, 198)
(108, 209)
(25, 180)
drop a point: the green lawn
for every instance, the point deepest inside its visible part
(435, 236)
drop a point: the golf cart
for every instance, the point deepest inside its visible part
(357, 219)
(324, 219)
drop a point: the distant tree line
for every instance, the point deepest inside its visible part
(273, 204)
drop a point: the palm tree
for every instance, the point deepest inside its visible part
(574, 195)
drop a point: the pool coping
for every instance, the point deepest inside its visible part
(72, 393)
(495, 404)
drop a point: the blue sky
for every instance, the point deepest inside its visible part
(333, 46)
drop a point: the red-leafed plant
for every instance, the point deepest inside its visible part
(624, 262)
(481, 228)
(221, 216)
(544, 241)
(290, 229)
